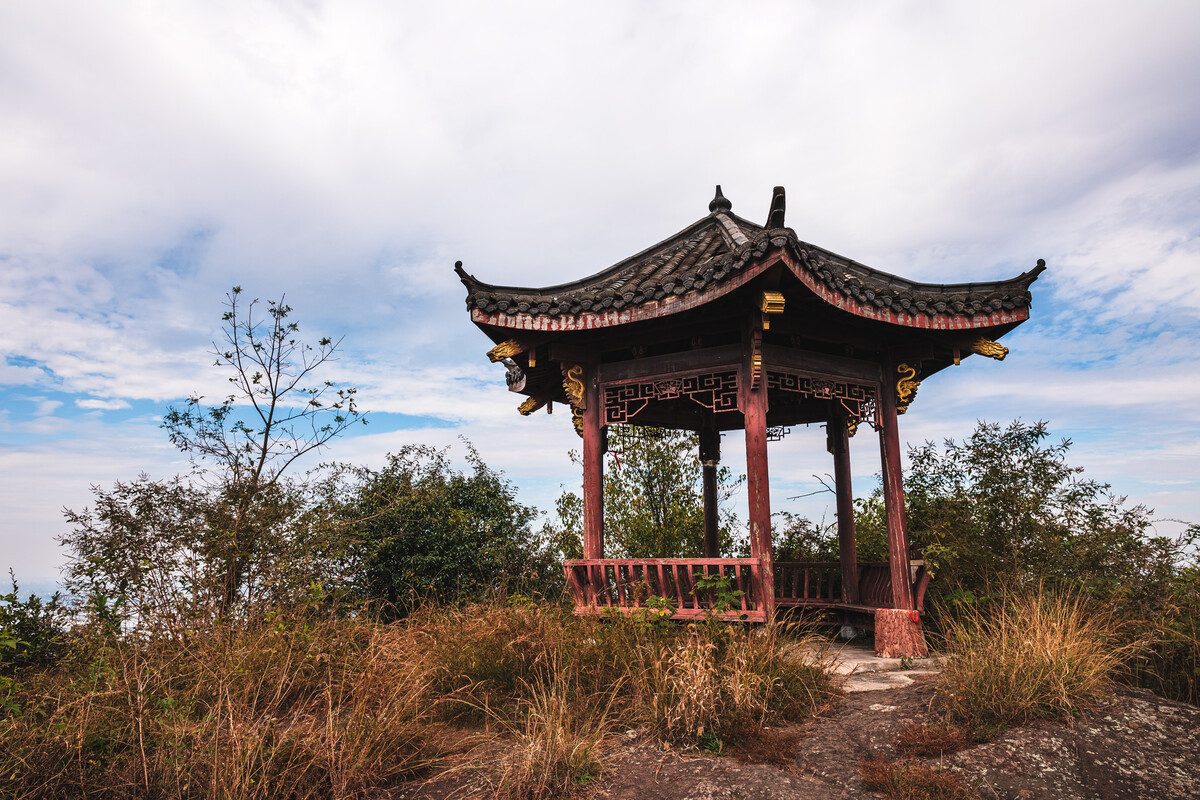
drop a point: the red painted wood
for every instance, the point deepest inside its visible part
(593, 471)
(893, 497)
(695, 562)
(753, 403)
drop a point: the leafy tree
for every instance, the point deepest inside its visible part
(1005, 506)
(244, 532)
(425, 531)
(32, 631)
(141, 546)
(276, 412)
(1004, 509)
(653, 498)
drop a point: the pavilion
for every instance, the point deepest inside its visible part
(732, 325)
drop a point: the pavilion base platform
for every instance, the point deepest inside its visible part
(626, 586)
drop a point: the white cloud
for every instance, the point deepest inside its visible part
(102, 405)
(347, 154)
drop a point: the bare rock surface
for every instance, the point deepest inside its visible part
(1132, 745)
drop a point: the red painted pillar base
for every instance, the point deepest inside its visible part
(898, 634)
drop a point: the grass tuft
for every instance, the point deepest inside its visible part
(1036, 655)
(912, 780)
(933, 740)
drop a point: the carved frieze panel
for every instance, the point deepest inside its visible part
(716, 391)
(859, 399)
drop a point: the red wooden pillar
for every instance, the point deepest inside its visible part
(593, 469)
(839, 446)
(893, 493)
(752, 394)
(710, 456)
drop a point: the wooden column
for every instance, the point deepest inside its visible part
(593, 469)
(710, 456)
(753, 402)
(893, 493)
(839, 446)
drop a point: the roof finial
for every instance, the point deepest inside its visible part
(778, 205)
(719, 203)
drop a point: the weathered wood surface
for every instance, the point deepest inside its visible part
(898, 634)
(893, 497)
(593, 470)
(623, 584)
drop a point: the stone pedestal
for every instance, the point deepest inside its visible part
(898, 633)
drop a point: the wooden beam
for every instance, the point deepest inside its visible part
(893, 496)
(671, 364)
(821, 363)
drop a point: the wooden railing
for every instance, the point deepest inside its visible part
(625, 585)
(820, 583)
(799, 581)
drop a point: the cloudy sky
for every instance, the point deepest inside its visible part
(346, 154)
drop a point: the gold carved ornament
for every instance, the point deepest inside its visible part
(530, 405)
(906, 387)
(986, 347)
(577, 420)
(573, 385)
(851, 426)
(506, 349)
(771, 303)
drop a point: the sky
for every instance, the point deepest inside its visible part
(345, 155)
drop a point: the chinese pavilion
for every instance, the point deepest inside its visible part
(732, 325)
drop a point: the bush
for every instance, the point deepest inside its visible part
(424, 531)
(31, 630)
(1038, 654)
(290, 706)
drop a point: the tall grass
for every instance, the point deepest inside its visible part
(1037, 654)
(300, 706)
(289, 707)
(558, 745)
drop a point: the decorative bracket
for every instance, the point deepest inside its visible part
(515, 377)
(573, 385)
(530, 405)
(986, 347)
(506, 349)
(906, 387)
(770, 303)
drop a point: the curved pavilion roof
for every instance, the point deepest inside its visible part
(721, 252)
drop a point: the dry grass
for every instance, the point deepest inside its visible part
(930, 741)
(722, 681)
(558, 746)
(294, 706)
(286, 708)
(1041, 654)
(912, 780)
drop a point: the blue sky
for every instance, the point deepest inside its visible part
(346, 154)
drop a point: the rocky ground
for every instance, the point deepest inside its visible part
(1132, 745)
